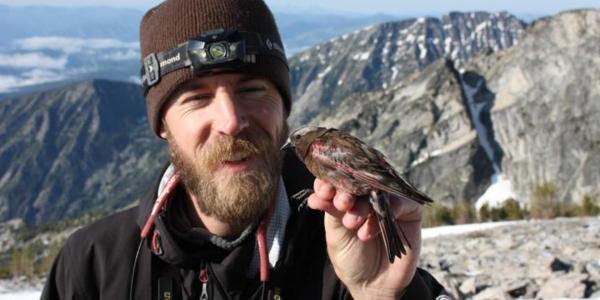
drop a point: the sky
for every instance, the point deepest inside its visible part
(392, 7)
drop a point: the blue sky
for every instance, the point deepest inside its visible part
(393, 7)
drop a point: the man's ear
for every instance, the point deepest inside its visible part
(163, 129)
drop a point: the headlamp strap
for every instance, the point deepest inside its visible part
(156, 65)
(173, 59)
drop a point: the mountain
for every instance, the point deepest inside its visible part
(423, 125)
(524, 116)
(379, 56)
(75, 149)
(526, 113)
(301, 31)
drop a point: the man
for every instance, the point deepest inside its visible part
(220, 222)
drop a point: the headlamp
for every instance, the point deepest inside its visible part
(210, 52)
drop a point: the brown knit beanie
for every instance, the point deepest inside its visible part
(176, 21)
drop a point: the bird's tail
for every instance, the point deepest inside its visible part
(390, 232)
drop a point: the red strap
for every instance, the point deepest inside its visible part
(204, 275)
(261, 238)
(160, 203)
(156, 247)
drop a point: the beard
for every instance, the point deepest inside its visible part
(239, 199)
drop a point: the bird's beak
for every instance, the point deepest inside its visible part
(287, 145)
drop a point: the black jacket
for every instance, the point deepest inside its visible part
(97, 261)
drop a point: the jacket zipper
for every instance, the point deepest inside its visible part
(204, 281)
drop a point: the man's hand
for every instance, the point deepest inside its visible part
(357, 252)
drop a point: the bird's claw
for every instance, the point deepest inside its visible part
(302, 195)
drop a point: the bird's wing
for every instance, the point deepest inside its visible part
(383, 184)
(364, 163)
(396, 182)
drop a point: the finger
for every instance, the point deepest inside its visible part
(315, 202)
(343, 201)
(318, 183)
(356, 216)
(324, 190)
(369, 229)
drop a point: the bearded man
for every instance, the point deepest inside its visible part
(220, 222)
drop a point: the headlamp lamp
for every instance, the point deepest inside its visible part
(212, 51)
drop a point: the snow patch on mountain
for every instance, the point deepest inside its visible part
(499, 191)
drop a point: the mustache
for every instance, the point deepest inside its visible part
(229, 148)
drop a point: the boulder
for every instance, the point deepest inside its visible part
(564, 286)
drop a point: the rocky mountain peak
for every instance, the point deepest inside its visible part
(568, 26)
(518, 118)
(378, 56)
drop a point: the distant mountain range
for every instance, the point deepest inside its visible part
(83, 147)
(454, 102)
(37, 52)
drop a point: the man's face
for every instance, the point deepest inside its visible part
(224, 132)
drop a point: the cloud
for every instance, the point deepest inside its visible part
(42, 59)
(72, 45)
(32, 60)
(135, 79)
(33, 77)
(7, 83)
(129, 54)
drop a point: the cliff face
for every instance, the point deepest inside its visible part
(545, 105)
(423, 126)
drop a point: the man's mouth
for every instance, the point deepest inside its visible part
(236, 160)
(237, 157)
(239, 163)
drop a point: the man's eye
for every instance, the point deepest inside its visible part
(200, 98)
(251, 89)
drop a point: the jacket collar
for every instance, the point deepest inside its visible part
(180, 252)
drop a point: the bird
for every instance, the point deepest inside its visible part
(352, 166)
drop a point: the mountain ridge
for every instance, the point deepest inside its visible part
(480, 87)
(74, 148)
(380, 55)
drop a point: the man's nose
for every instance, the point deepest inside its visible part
(231, 118)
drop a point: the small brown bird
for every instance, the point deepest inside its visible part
(350, 165)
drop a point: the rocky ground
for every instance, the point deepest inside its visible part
(539, 259)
